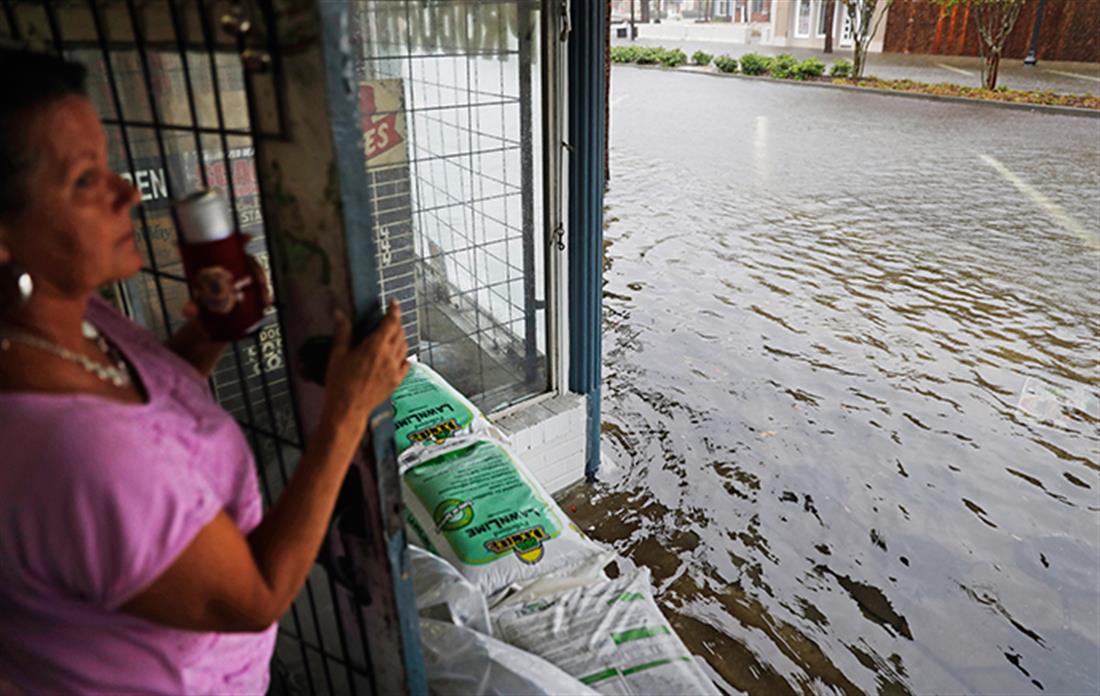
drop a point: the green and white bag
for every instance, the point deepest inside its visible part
(428, 411)
(474, 503)
(611, 636)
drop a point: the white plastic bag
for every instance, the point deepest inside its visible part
(474, 503)
(442, 593)
(583, 575)
(611, 636)
(463, 662)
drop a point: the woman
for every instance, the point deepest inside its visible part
(134, 555)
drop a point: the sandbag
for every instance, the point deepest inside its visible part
(462, 662)
(611, 636)
(475, 504)
(428, 411)
(443, 594)
(587, 573)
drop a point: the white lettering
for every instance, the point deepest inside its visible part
(450, 27)
(157, 184)
(151, 182)
(143, 184)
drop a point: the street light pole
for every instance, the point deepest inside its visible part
(633, 31)
(1032, 59)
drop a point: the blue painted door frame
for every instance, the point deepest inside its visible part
(587, 137)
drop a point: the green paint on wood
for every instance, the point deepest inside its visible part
(299, 252)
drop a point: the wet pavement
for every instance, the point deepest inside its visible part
(851, 376)
(1060, 77)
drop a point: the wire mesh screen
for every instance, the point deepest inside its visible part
(449, 94)
(168, 80)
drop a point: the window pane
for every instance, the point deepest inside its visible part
(451, 107)
(803, 28)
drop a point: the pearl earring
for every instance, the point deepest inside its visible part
(21, 282)
(26, 286)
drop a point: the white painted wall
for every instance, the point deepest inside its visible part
(549, 436)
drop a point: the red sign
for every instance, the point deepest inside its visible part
(244, 176)
(379, 134)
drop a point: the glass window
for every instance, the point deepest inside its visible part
(802, 20)
(822, 16)
(451, 102)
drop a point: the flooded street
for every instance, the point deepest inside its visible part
(851, 376)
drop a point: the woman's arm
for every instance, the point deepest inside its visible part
(224, 581)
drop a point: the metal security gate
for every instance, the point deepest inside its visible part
(181, 87)
(423, 180)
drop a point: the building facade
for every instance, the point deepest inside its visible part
(1068, 30)
(784, 23)
(804, 24)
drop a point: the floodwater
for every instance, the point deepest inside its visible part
(851, 374)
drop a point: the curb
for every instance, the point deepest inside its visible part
(1048, 108)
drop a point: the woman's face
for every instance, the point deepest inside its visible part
(75, 233)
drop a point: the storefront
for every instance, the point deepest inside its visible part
(424, 152)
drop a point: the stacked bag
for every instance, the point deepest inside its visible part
(511, 593)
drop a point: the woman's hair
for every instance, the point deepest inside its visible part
(29, 81)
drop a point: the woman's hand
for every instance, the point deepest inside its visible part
(192, 343)
(359, 378)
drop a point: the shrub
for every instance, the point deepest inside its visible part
(628, 54)
(811, 67)
(649, 56)
(783, 66)
(726, 64)
(841, 68)
(701, 58)
(755, 64)
(622, 54)
(672, 59)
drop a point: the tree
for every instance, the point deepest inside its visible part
(830, 15)
(994, 20)
(864, 23)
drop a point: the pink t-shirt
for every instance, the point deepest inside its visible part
(97, 498)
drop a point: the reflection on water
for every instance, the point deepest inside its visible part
(850, 386)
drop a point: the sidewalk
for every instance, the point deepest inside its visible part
(1058, 77)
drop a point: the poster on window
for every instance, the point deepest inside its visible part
(382, 110)
(389, 176)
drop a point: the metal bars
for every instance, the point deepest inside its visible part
(461, 82)
(170, 129)
(451, 104)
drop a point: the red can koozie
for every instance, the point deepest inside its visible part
(220, 277)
